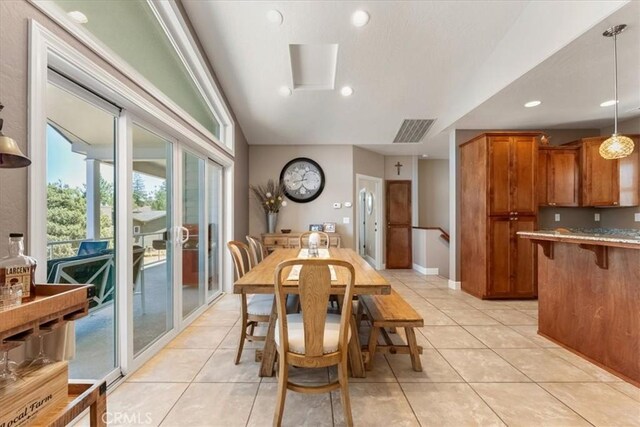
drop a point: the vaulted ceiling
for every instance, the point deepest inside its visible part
(413, 60)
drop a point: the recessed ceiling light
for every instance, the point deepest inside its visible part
(360, 18)
(275, 17)
(424, 156)
(346, 91)
(609, 103)
(532, 104)
(284, 91)
(78, 16)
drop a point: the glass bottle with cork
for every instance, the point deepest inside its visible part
(18, 268)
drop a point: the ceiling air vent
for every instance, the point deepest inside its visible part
(413, 130)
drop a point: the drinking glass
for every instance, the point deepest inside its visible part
(41, 358)
(7, 368)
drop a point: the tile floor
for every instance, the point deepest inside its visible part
(483, 364)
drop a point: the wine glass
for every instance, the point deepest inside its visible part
(8, 368)
(41, 358)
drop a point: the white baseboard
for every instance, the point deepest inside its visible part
(425, 270)
(370, 260)
(454, 285)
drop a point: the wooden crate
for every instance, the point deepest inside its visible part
(37, 390)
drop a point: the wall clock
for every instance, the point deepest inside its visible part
(303, 180)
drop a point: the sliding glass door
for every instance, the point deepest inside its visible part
(151, 217)
(214, 228)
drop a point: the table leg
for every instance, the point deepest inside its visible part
(269, 351)
(355, 351)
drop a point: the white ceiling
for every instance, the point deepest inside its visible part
(414, 60)
(571, 84)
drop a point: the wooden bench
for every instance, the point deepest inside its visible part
(391, 311)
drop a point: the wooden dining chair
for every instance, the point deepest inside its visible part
(312, 338)
(254, 310)
(256, 250)
(306, 235)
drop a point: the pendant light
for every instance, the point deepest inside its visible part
(617, 146)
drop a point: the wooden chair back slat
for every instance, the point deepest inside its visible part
(256, 250)
(241, 257)
(314, 287)
(306, 235)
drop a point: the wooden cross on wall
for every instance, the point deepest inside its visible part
(398, 165)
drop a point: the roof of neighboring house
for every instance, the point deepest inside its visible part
(148, 216)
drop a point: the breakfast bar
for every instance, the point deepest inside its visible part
(589, 295)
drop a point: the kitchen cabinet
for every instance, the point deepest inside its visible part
(558, 176)
(609, 183)
(499, 174)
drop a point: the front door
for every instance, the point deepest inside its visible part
(399, 227)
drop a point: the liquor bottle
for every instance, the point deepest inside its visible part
(18, 269)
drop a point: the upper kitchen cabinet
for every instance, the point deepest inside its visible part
(558, 176)
(609, 182)
(512, 169)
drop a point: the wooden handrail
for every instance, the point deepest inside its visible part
(444, 235)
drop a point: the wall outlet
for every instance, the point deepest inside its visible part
(337, 205)
(557, 217)
(346, 220)
(596, 217)
(636, 217)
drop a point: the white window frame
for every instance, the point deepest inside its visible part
(46, 50)
(174, 26)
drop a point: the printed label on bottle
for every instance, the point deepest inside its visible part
(18, 275)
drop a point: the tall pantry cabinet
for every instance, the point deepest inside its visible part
(498, 199)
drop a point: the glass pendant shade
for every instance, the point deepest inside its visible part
(616, 147)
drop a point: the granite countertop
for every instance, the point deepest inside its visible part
(605, 235)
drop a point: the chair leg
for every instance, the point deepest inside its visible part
(344, 392)
(373, 343)
(283, 378)
(416, 363)
(243, 337)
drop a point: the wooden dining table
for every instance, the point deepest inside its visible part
(261, 280)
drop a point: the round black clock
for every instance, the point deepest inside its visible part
(303, 180)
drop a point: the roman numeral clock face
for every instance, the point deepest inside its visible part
(303, 180)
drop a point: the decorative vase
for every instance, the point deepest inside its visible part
(272, 221)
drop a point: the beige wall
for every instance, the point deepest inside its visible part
(367, 162)
(433, 193)
(391, 172)
(267, 161)
(14, 17)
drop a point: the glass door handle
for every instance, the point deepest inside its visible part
(184, 235)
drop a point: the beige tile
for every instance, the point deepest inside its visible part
(451, 337)
(470, 317)
(598, 403)
(435, 368)
(233, 337)
(543, 366)
(531, 332)
(142, 403)
(532, 313)
(488, 304)
(511, 317)
(220, 368)
(381, 372)
(524, 304)
(454, 405)
(449, 303)
(375, 404)
(214, 317)
(628, 389)
(299, 409)
(228, 302)
(213, 404)
(500, 336)
(482, 366)
(172, 365)
(200, 337)
(593, 370)
(522, 404)
(434, 317)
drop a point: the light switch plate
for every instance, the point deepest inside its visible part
(636, 217)
(596, 217)
(557, 217)
(337, 205)
(345, 220)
